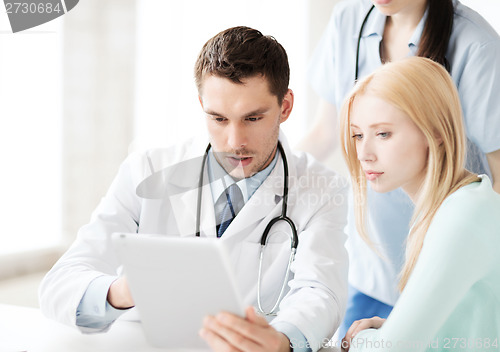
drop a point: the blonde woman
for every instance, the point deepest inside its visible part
(402, 128)
(360, 36)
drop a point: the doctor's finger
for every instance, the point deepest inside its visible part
(231, 336)
(216, 342)
(243, 327)
(255, 318)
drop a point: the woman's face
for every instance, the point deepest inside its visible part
(396, 7)
(390, 147)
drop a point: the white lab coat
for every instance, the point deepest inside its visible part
(317, 292)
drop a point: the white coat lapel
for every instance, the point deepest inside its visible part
(184, 206)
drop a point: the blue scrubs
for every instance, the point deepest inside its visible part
(361, 306)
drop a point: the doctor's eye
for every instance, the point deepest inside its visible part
(253, 119)
(218, 119)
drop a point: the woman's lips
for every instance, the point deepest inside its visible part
(381, 2)
(372, 175)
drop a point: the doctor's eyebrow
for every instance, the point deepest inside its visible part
(256, 112)
(213, 113)
(250, 114)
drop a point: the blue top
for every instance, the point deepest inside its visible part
(473, 53)
(452, 299)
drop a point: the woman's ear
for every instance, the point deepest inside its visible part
(438, 138)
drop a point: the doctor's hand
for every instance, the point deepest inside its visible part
(229, 332)
(119, 295)
(359, 325)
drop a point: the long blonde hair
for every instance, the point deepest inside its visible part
(425, 92)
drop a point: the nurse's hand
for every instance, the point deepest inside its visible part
(119, 295)
(359, 325)
(228, 332)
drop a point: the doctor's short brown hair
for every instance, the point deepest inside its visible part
(242, 52)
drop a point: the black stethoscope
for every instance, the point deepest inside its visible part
(359, 41)
(447, 66)
(294, 239)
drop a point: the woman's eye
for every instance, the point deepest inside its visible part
(357, 136)
(384, 134)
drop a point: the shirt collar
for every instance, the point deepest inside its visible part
(220, 179)
(417, 34)
(375, 25)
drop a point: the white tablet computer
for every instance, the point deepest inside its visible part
(175, 283)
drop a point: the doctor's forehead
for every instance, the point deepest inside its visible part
(223, 90)
(242, 82)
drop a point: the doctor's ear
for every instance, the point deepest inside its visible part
(286, 106)
(200, 100)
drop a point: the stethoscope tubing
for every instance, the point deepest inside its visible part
(294, 239)
(356, 72)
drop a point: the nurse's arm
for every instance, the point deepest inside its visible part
(494, 163)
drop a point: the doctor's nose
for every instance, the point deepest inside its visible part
(236, 137)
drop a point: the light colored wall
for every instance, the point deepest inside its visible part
(99, 63)
(97, 124)
(319, 15)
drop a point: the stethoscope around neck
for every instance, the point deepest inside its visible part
(294, 239)
(359, 41)
(356, 72)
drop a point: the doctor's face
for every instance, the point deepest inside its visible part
(243, 122)
(391, 149)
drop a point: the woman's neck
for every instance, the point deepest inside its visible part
(408, 18)
(398, 30)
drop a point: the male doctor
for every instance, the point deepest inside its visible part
(242, 79)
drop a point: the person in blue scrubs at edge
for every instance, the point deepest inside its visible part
(379, 31)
